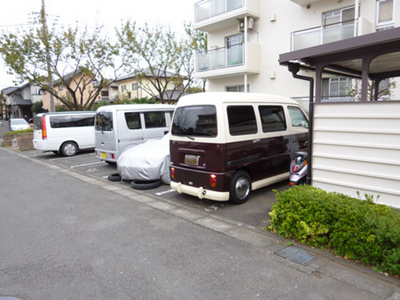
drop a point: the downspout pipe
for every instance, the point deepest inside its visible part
(294, 68)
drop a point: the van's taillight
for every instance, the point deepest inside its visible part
(112, 156)
(44, 131)
(213, 180)
(295, 168)
(172, 172)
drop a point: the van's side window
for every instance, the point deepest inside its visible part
(133, 120)
(297, 117)
(104, 121)
(82, 121)
(71, 121)
(154, 119)
(272, 118)
(242, 120)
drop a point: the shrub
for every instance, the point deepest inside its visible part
(357, 229)
(20, 131)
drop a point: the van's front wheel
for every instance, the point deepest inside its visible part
(240, 188)
(69, 149)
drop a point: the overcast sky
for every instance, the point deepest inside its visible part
(95, 12)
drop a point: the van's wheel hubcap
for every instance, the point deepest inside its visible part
(242, 188)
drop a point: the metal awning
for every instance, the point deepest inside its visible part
(374, 56)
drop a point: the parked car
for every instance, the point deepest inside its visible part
(64, 132)
(225, 145)
(18, 124)
(121, 126)
(146, 164)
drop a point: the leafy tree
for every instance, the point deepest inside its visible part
(157, 54)
(77, 60)
(37, 107)
(385, 91)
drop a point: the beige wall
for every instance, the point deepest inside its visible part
(64, 91)
(146, 88)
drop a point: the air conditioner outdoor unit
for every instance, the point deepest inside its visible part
(250, 24)
(241, 25)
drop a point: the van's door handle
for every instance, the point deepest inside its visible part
(257, 141)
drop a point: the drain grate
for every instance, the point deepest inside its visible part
(296, 255)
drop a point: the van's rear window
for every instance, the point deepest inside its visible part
(38, 123)
(196, 120)
(104, 121)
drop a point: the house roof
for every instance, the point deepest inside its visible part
(18, 100)
(10, 90)
(147, 72)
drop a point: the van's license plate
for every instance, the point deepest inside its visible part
(192, 159)
(103, 155)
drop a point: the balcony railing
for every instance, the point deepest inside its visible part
(322, 35)
(211, 8)
(220, 58)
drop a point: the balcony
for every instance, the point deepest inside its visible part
(330, 33)
(216, 14)
(304, 2)
(228, 62)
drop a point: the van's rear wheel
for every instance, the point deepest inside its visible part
(69, 149)
(240, 188)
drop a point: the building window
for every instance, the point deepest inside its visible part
(339, 16)
(104, 93)
(237, 88)
(384, 15)
(336, 88)
(123, 88)
(60, 87)
(134, 86)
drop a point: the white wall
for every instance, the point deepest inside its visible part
(356, 147)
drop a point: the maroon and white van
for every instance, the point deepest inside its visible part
(224, 145)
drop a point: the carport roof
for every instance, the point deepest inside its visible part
(346, 56)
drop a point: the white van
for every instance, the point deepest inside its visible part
(120, 126)
(64, 132)
(224, 145)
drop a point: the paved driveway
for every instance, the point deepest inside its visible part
(252, 213)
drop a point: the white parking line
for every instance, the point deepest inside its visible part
(88, 164)
(165, 192)
(71, 157)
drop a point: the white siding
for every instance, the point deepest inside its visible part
(356, 147)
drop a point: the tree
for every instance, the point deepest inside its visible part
(79, 61)
(385, 90)
(37, 107)
(158, 55)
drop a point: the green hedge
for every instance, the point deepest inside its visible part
(357, 229)
(20, 131)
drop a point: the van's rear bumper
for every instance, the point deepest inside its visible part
(199, 192)
(106, 155)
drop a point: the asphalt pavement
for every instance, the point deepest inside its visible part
(68, 235)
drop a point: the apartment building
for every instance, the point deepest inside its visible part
(245, 38)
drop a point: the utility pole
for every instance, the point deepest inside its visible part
(46, 41)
